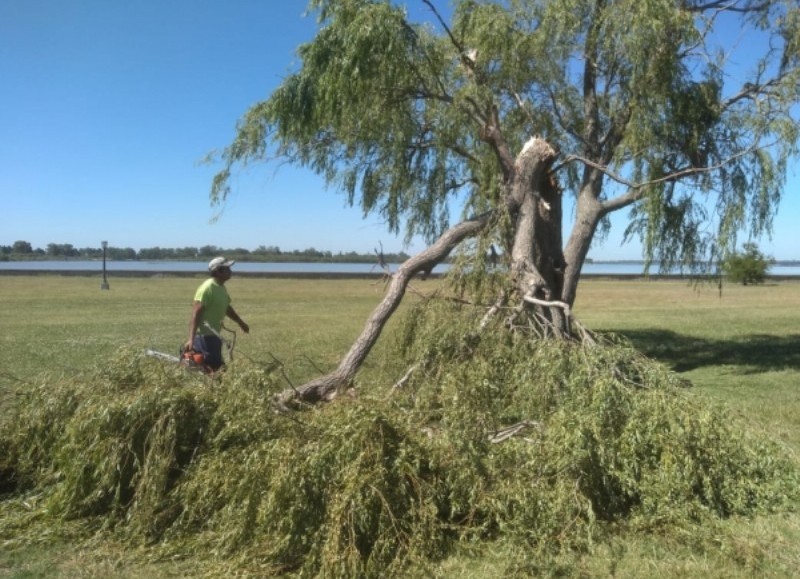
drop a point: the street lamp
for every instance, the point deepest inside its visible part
(104, 285)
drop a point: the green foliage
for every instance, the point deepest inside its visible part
(747, 267)
(109, 448)
(414, 120)
(377, 486)
(621, 427)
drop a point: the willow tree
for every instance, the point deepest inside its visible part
(510, 107)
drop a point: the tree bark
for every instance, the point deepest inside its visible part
(536, 259)
(588, 215)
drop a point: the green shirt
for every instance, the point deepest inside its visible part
(215, 300)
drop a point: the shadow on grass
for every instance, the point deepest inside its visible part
(752, 354)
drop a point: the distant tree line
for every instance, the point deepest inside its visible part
(24, 251)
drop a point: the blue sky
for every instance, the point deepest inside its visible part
(107, 108)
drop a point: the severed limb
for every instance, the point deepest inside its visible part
(327, 387)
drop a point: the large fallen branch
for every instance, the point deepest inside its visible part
(328, 386)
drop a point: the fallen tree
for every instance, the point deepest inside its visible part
(504, 427)
(539, 448)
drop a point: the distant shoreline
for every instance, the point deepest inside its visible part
(621, 269)
(321, 275)
(8, 263)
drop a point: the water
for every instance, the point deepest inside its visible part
(196, 266)
(595, 268)
(634, 268)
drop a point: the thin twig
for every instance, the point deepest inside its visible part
(402, 381)
(513, 430)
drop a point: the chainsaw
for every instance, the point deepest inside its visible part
(186, 358)
(192, 359)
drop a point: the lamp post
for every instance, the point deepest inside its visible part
(104, 285)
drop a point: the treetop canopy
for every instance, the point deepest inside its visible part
(640, 98)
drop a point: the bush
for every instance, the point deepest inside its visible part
(748, 267)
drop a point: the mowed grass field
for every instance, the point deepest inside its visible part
(740, 346)
(740, 349)
(67, 324)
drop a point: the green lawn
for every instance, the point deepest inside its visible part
(67, 324)
(741, 350)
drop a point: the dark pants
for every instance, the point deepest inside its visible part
(211, 348)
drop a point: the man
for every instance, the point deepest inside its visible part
(211, 304)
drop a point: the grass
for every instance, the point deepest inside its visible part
(64, 325)
(740, 350)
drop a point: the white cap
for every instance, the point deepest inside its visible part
(219, 262)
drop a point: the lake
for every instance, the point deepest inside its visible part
(195, 266)
(595, 268)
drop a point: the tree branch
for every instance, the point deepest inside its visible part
(467, 60)
(750, 90)
(513, 430)
(548, 304)
(327, 387)
(727, 6)
(634, 193)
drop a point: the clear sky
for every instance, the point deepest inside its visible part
(107, 108)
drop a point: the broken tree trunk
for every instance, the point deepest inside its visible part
(537, 262)
(533, 200)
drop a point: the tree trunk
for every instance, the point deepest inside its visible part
(587, 217)
(537, 263)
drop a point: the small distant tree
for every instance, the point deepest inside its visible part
(152, 253)
(748, 267)
(61, 250)
(23, 247)
(120, 253)
(208, 251)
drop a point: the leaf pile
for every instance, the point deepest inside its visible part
(382, 484)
